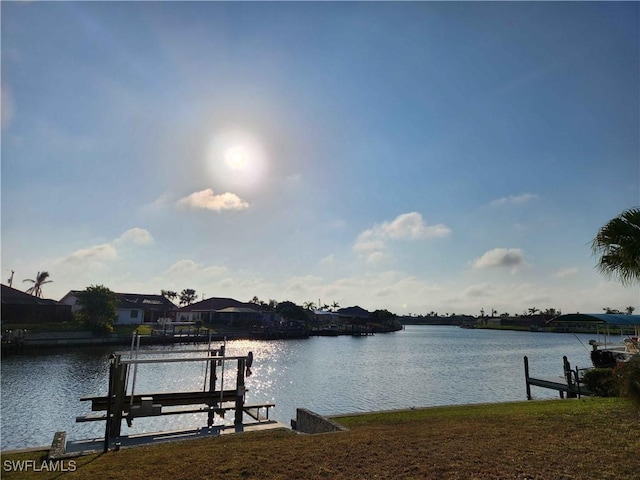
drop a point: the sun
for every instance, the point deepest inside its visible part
(236, 157)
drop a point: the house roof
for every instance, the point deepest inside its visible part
(144, 302)
(238, 310)
(354, 312)
(214, 304)
(606, 318)
(149, 302)
(11, 296)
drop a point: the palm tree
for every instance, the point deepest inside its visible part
(187, 296)
(36, 288)
(618, 246)
(169, 294)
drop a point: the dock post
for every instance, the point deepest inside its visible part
(526, 377)
(107, 430)
(212, 388)
(240, 390)
(568, 375)
(119, 394)
(115, 400)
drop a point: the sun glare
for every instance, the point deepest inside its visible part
(237, 160)
(236, 157)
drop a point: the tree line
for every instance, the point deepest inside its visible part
(616, 246)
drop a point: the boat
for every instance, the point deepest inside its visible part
(605, 352)
(327, 331)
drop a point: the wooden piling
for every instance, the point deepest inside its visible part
(240, 390)
(526, 377)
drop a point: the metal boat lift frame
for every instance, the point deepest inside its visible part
(118, 405)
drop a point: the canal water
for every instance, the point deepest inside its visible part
(420, 366)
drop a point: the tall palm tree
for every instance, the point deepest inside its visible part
(618, 246)
(36, 288)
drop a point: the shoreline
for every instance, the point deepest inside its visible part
(540, 439)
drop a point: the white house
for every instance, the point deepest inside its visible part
(133, 308)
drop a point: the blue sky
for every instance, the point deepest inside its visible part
(419, 157)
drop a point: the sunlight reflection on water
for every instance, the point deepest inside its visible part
(420, 366)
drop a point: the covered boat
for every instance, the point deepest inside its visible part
(608, 352)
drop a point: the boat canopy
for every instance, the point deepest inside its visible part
(604, 318)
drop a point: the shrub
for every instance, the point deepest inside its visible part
(621, 381)
(602, 382)
(628, 379)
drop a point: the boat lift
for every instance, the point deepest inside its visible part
(214, 399)
(605, 351)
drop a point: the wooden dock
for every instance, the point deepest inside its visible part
(569, 383)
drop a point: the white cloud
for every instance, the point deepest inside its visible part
(365, 245)
(187, 266)
(328, 261)
(407, 226)
(306, 286)
(209, 201)
(514, 199)
(137, 236)
(566, 272)
(95, 254)
(182, 266)
(479, 290)
(159, 204)
(501, 258)
(376, 258)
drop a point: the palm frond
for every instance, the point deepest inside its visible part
(618, 246)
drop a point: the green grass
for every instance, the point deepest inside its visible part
(555, 439)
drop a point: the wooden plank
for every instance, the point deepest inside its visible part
(169, 399)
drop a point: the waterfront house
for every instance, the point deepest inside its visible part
(224, 311)
(21, 308)
(354, 315)
(133, 308)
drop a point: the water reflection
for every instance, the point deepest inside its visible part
(420, 366)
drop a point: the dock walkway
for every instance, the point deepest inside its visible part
(569, 383)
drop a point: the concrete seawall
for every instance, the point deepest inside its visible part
(310, 422)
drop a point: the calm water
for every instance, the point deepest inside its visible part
(417, 367)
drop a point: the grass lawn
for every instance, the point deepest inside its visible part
(555, 439)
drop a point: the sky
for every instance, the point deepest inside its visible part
(417, 157)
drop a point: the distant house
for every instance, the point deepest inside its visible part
(226, 311)
(323, 317)
(20, 307)
(133, 308)
(354, 315)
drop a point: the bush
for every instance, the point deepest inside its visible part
(628, 379)
(100, 328)
(621, 381)
(602, 382)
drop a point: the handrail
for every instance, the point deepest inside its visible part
(177, 360)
